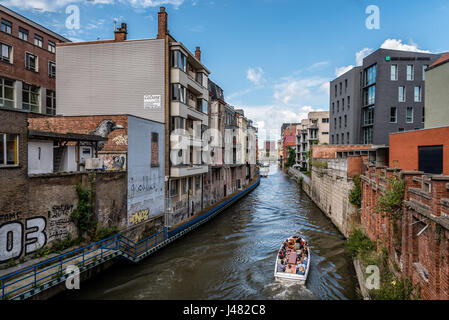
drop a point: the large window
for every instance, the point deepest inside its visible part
(418, 94)
(9, 149)
(370, 75)
(51, 103)
(31, 62)
(368, 116)
(202, 105)
(30, 98)
(178, 60)
(393, 115)
(38, 40)
(51, 46)
(178, 93)
(6, 53)
(394, 72)
(6, 93)
(368, 135)
(51, 69)
(409, 117)
(370, 95)
(23, 34)
(6, 26)
(410, 72)
(402, 94)
(201, 78)
(173, 188)
(424, 67)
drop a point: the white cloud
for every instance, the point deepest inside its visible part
(342, 70)
(255, 76)
(396, 44)
(294, 89)
(54, 5)
(362, 54)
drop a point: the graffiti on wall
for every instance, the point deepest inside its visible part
(104, 129)
(120, 140)
(60, 223)
(114, 161)
(140, 216)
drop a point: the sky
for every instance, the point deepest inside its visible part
(273, 58)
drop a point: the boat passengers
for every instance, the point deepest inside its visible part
(293, 244)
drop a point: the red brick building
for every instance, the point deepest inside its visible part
(27, 64)
(288, 132)
(424, 150)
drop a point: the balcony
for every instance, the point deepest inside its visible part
(179, 109)
(179, 76)
(186, 170)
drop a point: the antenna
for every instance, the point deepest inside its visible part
(115, 25)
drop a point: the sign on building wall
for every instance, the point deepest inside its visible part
(152, 102)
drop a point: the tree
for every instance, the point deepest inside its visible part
(291, 157)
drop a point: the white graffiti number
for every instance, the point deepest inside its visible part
(10, 241)
(35, 239)
(73, 20)
(73, 281)
(373, 20)
(373, 281)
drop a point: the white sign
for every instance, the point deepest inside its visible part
(152, 102)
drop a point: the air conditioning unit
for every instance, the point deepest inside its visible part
(94, 164)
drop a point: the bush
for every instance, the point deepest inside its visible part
(104, 233)
(355, 195)
(391, 200)
(394, 288)
(359, 243)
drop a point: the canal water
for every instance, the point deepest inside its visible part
(233, 255)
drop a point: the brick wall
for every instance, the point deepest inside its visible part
(423, 258)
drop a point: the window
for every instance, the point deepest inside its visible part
(401, 130)
(409, 117)
(349, 102)
(31, 62)
(6, 26)
(6, 93)
(402, 94)
(339, 121)
(197, 182)
(333, 107)
(410, 72)
(325, 120)
(51, 69)
(424, 67)
(393, 114)
(9, 149)
(202, 105)
(368, 135)
(332, 139)
(343, 104)
(418, 94)
(51, 46)
(370, 75)
(338, 138)
(342, 138)
(335, 123)
(335, 90)
(346, 85)
(173, 188)
(368, 116)
(23, 34)
(50, 103)
(347, 138)
(38, 40)
(6, 53)
(346, 121)
(154, 149)
(179, 60)
(338, 106)
(394, 72)
(30, 98)
(201, 78)
(178, 93)
(423, 114)
(341, 88)
(370, 95)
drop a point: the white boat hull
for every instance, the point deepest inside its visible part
(283, 276)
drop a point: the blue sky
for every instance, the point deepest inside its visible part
(274, 58)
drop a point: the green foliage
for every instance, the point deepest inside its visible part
(391, 200)
(84, 213)
(359, 244)
(394, 288)
(355, 195)
(104, 233)
(319, 164)
(291, 157)
(61, 245)
(42, 252)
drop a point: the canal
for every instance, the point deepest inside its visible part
(233, 255)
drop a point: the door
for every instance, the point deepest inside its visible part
(431, 159)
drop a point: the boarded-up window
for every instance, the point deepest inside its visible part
(154, 149)
(431, 159)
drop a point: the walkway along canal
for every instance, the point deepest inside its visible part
(232, 256)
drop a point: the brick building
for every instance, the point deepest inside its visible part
(27, 64)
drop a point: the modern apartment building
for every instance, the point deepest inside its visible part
(27, 64)
(156, 79)
(312, 131)
(345, 99)
(391, 96)
(437, 93)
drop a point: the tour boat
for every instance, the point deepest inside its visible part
(264, 172)
(291, 260)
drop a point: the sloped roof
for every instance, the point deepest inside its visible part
(442, 60)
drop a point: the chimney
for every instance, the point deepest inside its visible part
(198, 53)
(120, 33)
(162, 24)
